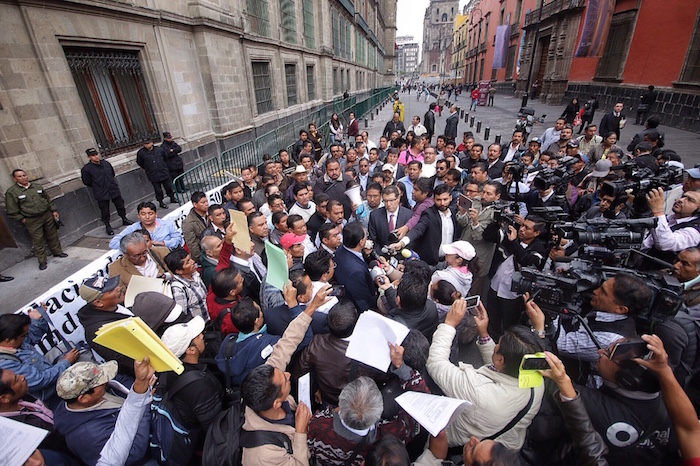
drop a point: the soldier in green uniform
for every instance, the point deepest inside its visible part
(29, 204)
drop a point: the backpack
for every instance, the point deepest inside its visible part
(226, 438)
(170, 442)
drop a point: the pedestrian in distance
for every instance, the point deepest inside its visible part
(173, 161)
(152, 160)
(99, 176)
(648, 99)
(29, 204)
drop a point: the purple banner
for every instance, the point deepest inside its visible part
(500, 50)
(595, 30)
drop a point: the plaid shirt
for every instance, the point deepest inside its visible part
(191, 295)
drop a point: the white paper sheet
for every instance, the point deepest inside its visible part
(18, 441)
(305, 390)
(431, 411)
(139, 284)
(369, 341)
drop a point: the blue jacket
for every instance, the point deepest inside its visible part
(86, 432)
(246, 355)
(41, 375)
(354, 274)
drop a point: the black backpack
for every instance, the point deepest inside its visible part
(226, 438)
(170, 442)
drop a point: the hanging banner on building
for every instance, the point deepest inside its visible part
(500, 50)
(596, 26)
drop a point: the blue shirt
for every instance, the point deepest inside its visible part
(165, 231)
(409, 190)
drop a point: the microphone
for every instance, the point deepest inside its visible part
(410, 255)
(376, 272)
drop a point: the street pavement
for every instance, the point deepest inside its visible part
(500, 119)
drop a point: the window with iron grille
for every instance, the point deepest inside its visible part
(290, 76)
(348, 45)
(310, 82)
(309, 32)
(336, 37)
(612, 62)
(341, 23)
(113, 92)
(259, 17)
(691, 67)
(263, 86)
(289, 18)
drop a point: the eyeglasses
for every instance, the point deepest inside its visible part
(140, 255)
(391, 200)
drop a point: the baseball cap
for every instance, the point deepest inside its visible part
(146, 139)
(535, 140)
(693, 173)
(82, 376)
(177, 338)
(572, 143)
(389, 167)
(290, 239)
(156, 308)
(167, 135)
(93, 287)
(92, 151)
(463, 249)
(602, 168)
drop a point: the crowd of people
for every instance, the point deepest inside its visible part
(408, 227)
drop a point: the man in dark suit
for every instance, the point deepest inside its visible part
(351, 270)
(495, 164)
(386, 219)
(513, 150)
(437, 226)
(612, 122)
(451, 124)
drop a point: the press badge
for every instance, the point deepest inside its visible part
(266, 352)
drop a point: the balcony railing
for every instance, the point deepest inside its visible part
(551, 9)
(348, 5)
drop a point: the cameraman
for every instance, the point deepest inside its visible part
(614, 304)
(676, 232)
(521, 248)
(610, 207)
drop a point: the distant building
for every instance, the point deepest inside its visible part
(458, 63)
(407, 56)
(437, 36)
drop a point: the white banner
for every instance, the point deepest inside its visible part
(63, 301)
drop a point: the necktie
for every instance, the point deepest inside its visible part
(391, 222)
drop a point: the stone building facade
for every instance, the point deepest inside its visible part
(437, 36)
(215, 73)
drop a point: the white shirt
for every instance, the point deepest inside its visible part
(149, 269)
(315, 286)
(674, 241)
(502, 280)
(418, 129)
(363, 180)
(396, 218)
(428, 170)
(370, 145)
(305, 212)
(448, 230)
(511, 153)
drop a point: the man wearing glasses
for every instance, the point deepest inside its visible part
(387, 219)
(137, 259)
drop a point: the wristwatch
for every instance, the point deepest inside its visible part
(539, 333)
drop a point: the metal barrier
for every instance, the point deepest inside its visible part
(210, 173)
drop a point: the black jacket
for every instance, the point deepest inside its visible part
(429, 121)
(335, 190)
(425, 320)
(153, 162)
(391, 127)
(610, 123)
(101, 179)
(426, 236)
(92, 319)
(172, 159)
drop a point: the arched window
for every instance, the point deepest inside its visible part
(444, 17)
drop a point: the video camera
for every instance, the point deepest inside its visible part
(642, 179)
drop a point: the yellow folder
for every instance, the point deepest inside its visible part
(132, 337)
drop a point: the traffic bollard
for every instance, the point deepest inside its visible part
(366, 123)
(498, 139)
(487, 133)
(461, 113)
(471, 122)
(478, 127)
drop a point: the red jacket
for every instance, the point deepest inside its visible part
(216, 305)
(475, 93)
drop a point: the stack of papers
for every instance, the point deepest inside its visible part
(133, 338)
(369, 342)
(18, 441)
(242, 238)
(139, 284)
(431, 411)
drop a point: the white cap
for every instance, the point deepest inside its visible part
(389, 167)
(179, 337)
(299, 169)
(463, 249)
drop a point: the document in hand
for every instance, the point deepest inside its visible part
(132, 337)
(304, 390)
(431, 411)
(18, 441)
(277, 270)
(139, 284)
(240, 222)
(369, 342)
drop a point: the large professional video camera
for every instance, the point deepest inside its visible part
(638, 180)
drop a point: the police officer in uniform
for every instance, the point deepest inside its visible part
(29, 204)
(99, 175)
(152, 160)
(172, 159)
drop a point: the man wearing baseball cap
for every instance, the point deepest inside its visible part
(196, 393)
(295, 245)
(88, 416)
(104, 297)
(99, 175)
